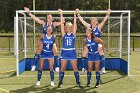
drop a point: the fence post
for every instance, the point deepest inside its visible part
(133, 43)
(9, 42)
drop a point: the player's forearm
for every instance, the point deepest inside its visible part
(105, 18)
(83, 21)
(75, 24)
(62, 24)
(100, 26)
(35, 18)
(57, 23)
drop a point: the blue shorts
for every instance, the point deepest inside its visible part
(94, 57)
(47, 55)
(68, 55)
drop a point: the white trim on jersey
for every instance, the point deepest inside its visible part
(68, 48)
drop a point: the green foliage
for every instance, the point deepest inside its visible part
(8, 8)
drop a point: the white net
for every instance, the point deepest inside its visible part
(115, 37)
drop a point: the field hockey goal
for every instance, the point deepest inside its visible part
(115, 33)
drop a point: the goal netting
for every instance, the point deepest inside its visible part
(115, 33)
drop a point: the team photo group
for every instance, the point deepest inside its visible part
(93, 47)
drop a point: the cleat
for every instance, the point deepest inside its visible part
(103, 70)
(38, 83)
(33, 68)
(59, 85)
(88, 85)
(79, 85)
(97, 85)
(52, 83)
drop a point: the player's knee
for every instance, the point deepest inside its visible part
(39, 42)
(84, 54)
(75, 69)
(63, 69)
(101, 53)
(96, 68)
(89, 69)
(51, 68)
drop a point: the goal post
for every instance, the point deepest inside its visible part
(118, 42)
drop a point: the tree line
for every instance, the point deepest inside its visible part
(8, 8)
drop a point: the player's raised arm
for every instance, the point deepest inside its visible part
(34, 17)
(81, 19)
(57, 24)
(104, 20)
(75, 25)
(62, 22)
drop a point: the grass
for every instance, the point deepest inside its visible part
(112, 82)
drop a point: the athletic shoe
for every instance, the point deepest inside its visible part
(88, 84)
(59, 85)
(79, 85)
(38, 83)
(97, 85)
(103, 70)
(33, 68)
(52, 83)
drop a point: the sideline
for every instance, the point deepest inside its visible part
(7, 91)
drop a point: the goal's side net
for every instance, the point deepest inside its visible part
(116, 37)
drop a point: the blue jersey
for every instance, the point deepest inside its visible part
(96, 31)
(68, 52)
(45, 27)
(48, 43)
(92, 46)
(68, 41)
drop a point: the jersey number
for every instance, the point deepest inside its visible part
(90, 48)
(69, 42)
(47, 46)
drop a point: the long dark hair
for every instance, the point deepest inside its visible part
(51, 28)
(47, 15)
(92, 34)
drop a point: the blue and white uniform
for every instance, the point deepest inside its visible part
(93, 54)
(68, 51)
(96, 31)
(45, 27)
(47, 47)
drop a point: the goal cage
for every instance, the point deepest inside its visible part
(115, 33)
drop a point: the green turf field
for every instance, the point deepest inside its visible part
(112, 82)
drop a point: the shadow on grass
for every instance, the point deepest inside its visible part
(8, 76)
(48, 89)
(122, 75)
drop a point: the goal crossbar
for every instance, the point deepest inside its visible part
(71, 12)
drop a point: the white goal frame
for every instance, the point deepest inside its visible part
(68, 12)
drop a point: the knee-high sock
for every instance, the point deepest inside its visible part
(89, 74)
(97, 77)
(39, 75)
(52, 75)
(76, 74)
(56, 60)
(36, 58)
(61, 76)
(83, 62)
(102, 61)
